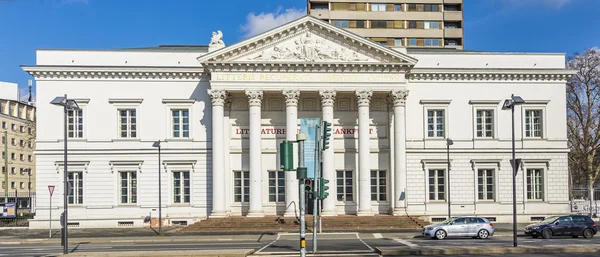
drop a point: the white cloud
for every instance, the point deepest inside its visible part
(259, 23)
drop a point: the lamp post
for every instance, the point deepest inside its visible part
(510, 104)
(67, 104)
(29, 187)
(449, 142)
(157, 145)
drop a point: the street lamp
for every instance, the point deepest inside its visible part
(449, 142)
(157, 144)
(67, 104)
(510, 104)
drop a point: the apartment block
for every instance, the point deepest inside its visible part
(400, 23)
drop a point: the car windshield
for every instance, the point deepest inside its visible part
(448, 221)
(549, 220)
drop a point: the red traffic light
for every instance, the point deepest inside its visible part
(307, 182)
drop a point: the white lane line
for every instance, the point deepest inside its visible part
(370, 248)
(266, 246)
(377, 235)
(404, 242)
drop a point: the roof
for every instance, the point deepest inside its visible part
(160, 48)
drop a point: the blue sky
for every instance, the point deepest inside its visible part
(564, 26)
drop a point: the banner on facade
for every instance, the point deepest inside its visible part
(308, 126)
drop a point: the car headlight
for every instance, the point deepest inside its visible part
(429, 228)
(536, 228)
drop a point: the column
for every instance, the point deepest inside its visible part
(327, 99)
(291, 127)
(363, 98)
(399, 101)
(255, 152)
(218, 152)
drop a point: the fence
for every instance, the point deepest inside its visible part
(24, 208)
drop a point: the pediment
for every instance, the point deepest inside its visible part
(310, 41)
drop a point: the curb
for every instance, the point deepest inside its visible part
(182, 240)
(424, 251)
(192, 253)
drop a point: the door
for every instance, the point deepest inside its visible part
(474, 225)
(564, 227)
(458, 227)
(579, 224)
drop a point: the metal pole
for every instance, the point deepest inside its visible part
(6, 166)
(514, 183)
(159, 196)
(29, 186)
(302, 202)
(316, 189)
(448, 151)
(66, 184)
(50, 219)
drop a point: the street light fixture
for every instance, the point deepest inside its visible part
(449, 142)
(67, 104)
(510, 104)
(157, 145)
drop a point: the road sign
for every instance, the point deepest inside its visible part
(51, 190)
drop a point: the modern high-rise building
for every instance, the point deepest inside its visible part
(404, 23)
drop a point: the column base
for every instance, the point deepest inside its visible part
(255, 214)
(290, 214)
(399, 212)
(218, 215)
(328, 213)
(365, 213)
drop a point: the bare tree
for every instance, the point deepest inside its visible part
(583, 118)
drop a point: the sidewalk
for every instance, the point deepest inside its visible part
(194, 253)
(474, 250)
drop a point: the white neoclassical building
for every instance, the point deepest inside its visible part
(221, 113)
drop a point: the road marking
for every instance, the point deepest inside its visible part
(404, 242)
(377, 235)
(266, 246)
(370, 248)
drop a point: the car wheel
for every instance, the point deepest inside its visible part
(536, 236)
(440, 234)
(546, 233)
(588, 233)
(483, 234)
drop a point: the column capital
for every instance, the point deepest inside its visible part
(327, 97)
(254, 97)
(363, 97)
(291, 97)
(217, 96)
(399, 97)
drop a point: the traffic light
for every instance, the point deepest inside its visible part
(326, 134)
(323, 188)
(286, 155)
(308, 187)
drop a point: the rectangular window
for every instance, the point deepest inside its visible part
(344, 186)
(128, 187)
(13, 185)
(339, 7)
(412, 41)
(13, 170)
(435, 123)
(181, 123)
(13, 141)
(378, 185)
(4, 125)
(412, 24)
(181, 187)
(412, 7)
(485, 123)
(128, 123)
(13, 156)
(379, 24)
(29, 158)
(341, 23)
(535, 184)
(22, 157)
(398, 42)
(431, 25)
(360, 24)
(75, 179)
(432, 8)
(398, 7)
(13, 127)
(75, 123)
(22, 185)
(533, 123)
(22, 129)
(437, 185)
(22, 143)
(378, 7)
(241, 186)
(485, 184)
(276, 186)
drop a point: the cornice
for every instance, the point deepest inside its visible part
(557, 75)
(117, 72)
(308, 67)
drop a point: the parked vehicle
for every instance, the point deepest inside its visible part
(570, 225)
(476, 227)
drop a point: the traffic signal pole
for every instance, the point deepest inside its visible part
(316, 191)
(301, 174)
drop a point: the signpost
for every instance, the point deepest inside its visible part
(51, 190)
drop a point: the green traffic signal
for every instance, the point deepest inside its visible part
(286, 155)
(326, 134)
(323, 188)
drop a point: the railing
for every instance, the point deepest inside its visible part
(17, 208)
(582, 193)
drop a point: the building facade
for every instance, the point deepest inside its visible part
(401, 23)
(221, 112)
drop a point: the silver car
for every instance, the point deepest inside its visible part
(476, 227)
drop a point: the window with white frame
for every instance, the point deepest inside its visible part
(13, 185)
(276, 186)
(485, 123)
(344, 186)
(75, 123)
(435, 123)
(128, 187)
(75, 180)
(22, 185)
(127, 123)
(485, 184)
(533, 123)
(241, 186)
(437, 184)
(181, 123)
(378, 185)
(181, 187)
(378, 7)
(535, 184)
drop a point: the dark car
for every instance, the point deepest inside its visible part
(571, 225)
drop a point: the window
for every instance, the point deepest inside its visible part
(13, 170)
(3, 155)
(412, 7)
(4, 125)
(128, 187)
(485, 123)
(360, 24)
(412, 25)
(29, 184)
(22, 157)
(181, 187)
(276, 186)
(437, 185)
(379, 24)
(378, 185)
(22, 129)
(412, 41)
(13, 156)
(29, 131)
(535, 184)
(3, 169)
(22, 185)
(29, 144)
(75, 123)
(432, 42)
(127, 123)
(13, 127)
(432, 8)
(11, 109)
(435, 123)
(432, 25)
(378, 7)
(22, 143)
(3, 140)
(341, 23)
(485, 184)
(344, 186)
(13, 141)
(3, 184)
(398, 42)
(29, 158)
(533, 123)
(75, 179)
(13, 185)
(181, 126)
(397, 7)
(241, 186)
